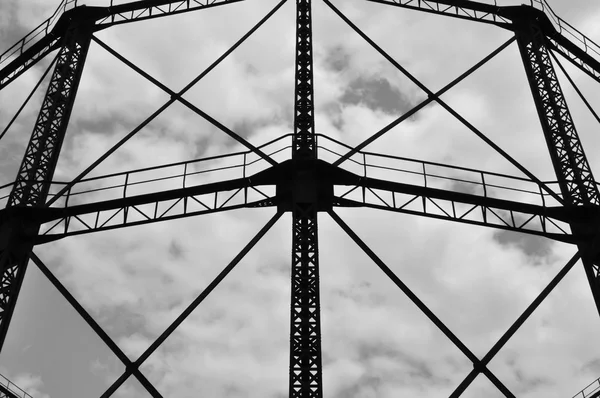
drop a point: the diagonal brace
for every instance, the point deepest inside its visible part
(174, 98)
(575, 87)
(516, 325)
(430, 93)
(424, 103)
(477, 364)
(10, 123)
(185, 102)
(161, 339)
(94, 325)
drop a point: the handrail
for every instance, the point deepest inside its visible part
(564, 28)
(369, 164)
(567, 30)
(42, 29)
(480, 179)
(127, 177)
(590, 391)
(13, 388)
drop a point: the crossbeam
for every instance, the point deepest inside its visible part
(464, 201)
(461, 207)
(579, 49)
(150, 208)
(46, 38)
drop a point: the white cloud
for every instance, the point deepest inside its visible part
(375, 342)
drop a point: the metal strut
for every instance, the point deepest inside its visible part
(41, 156)
(36, 171)
(305, 330)
(571, 166)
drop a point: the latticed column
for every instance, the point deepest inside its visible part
(574, 175)
(305, 328)
(36, 171)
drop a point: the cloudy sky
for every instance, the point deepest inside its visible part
(376, 343)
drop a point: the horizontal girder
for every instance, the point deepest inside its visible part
(283, 184)
(563, 37)
(47, 37)
(6, 393)
(149, 208)
(469, 10)
(550, 222)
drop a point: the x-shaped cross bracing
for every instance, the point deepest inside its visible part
(128, 14)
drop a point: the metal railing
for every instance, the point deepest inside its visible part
(563, 27)
(46, 27)
(170, 176)
(42, 30)
(13, 388)
(245, 164)
(568, 30)
(591, 391)
(439, 176)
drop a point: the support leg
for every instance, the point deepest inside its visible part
(305, 328)
(577, 184)
(305, 334)
(37, 169)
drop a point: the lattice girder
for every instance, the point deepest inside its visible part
(305, 185)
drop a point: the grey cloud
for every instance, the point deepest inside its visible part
(246, 128)
(364, 384)
(337, 59)
(466, 187)
(176, 250)
(360, 294)
(526, 384)
(377, 94)
(108, 124)
(281, 269)
(535, 248)
(121, 321)
(418, 370)
(10, 29)
(409, 371)
(592, 367)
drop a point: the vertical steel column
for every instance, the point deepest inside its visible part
(32, 182)
(304, 122)
(572, 169)
(305, 329)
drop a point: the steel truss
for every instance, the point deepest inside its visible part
(39, 209)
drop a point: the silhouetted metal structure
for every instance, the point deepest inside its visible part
(40, 210)
(8, 389)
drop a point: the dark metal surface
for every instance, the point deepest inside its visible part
(37, 169)
(8, 389)
(305, 184)
(575, 178)
(566, 151)
(47, 37)
(6, 393)
(41, 156)
(306, 379)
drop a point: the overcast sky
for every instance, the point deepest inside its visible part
(376, 343)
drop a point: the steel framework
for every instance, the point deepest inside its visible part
(40, 209)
